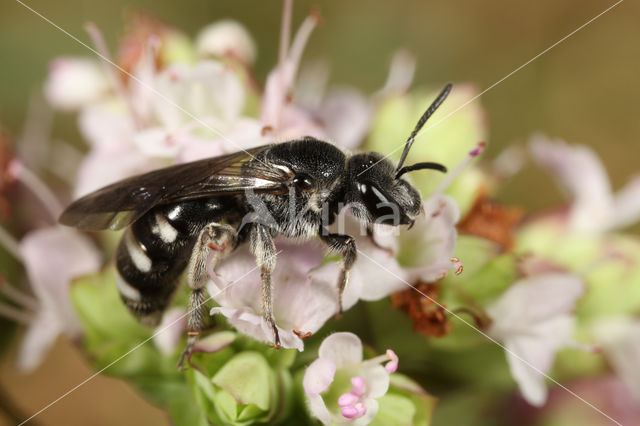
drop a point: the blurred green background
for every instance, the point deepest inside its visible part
(585, 90)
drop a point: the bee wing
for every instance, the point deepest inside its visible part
(122, 203)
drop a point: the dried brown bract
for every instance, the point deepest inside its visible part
(492, 221)
(428, 316)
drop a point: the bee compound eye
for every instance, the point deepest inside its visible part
(303, 182)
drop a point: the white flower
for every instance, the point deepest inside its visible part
(578, 169)
(302, 300)
(340, 362)
(533, 319)
(226, 38)
(53, 257)
(375, 273)
(199, 114)
(285, 119)
(109, 129)
(432, 239)
(619, 338)
(75, 82)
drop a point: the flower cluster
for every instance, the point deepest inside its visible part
(470, 275)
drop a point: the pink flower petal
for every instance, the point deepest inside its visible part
(347, 115)
(342, 348)
(319, 409)
(170, 331)
(157, 142)
(517, 306)
(40, 335)
(377, 380)
(53, 257)
(318, 376)
(579, 170)
(627, 204)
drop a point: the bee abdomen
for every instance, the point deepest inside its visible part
(155, 250)
(148, 278)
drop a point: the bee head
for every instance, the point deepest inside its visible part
(377, 193)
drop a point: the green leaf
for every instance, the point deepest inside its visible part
(184, 412)
(103, 315)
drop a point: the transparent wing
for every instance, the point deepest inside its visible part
(122, 203)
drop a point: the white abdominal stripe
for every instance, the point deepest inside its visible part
(127, 290)
(164, 229)
(137, 253)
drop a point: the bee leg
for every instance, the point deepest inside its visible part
(214, 237)
(264, 250)
(346, 246)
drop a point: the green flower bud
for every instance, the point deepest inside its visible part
(244, 390)
(177, 48)
(447, 137)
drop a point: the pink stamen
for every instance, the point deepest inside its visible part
(350, 412)
(354, 411)
(478, 150)
(392, 365)
(359, 385)
(460, 167)
(347, 399)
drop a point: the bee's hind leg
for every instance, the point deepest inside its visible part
(217, 238)
(264, 249)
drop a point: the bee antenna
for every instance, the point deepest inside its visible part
(428, 113)
(421, 166)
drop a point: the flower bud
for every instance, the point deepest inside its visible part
(74, 82)
(226, 39)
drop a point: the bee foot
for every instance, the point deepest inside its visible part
(276, 345)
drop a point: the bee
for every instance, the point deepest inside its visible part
(190, 215)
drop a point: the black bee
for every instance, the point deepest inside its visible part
(177, 216)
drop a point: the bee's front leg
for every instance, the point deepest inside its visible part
(221, 239)
(346, 246)
(264, 249)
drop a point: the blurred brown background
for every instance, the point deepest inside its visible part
(585, 90)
